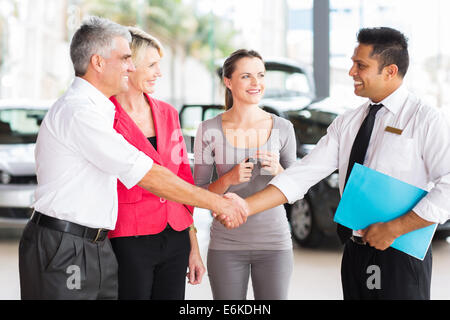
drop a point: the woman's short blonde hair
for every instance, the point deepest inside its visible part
(140, 41)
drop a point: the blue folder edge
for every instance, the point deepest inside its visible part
(371, 196)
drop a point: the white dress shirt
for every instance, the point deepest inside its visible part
(420, 155)
(79, 157)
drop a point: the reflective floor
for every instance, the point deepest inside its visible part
(316, 272)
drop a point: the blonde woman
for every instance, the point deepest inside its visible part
(153, 241)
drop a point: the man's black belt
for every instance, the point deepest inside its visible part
(95, 235)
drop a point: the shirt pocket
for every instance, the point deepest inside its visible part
(397, 153)
(125, 195)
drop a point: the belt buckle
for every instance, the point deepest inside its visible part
(98, 234)
(358, 240)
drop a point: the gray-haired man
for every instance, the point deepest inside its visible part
(64, 252)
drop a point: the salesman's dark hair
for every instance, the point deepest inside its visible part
(390, 46)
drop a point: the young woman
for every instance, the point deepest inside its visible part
(248, 147)
(153, 241)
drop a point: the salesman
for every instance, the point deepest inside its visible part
(396, 133)
(64, 252)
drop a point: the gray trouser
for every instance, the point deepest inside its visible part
(59, 265)
(229, 272)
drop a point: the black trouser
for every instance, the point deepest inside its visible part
(153, 266)
(59, 265)
(368, 273)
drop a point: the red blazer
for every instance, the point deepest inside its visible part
(141, 212)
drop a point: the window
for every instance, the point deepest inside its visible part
(20, 125)
(191, 117)
(423, 23)
(281, 84)
(212, 112)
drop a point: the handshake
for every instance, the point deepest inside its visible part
(232, 211)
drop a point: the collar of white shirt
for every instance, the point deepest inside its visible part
(394, 102)
(99, 100)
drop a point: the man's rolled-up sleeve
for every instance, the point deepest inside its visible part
(287, 186)
(106, 149)
(141, 166)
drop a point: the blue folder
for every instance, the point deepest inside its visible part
(371, 196)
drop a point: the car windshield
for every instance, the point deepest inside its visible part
(283, 84)
(311, 125)
(20, 125)
(192, 116)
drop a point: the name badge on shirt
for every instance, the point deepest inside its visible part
(393, 130)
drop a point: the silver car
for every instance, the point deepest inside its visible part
(19, 125)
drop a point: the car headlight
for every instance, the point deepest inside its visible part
(5, 177)
(333, 180)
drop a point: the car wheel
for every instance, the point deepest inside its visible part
(303, 226)
(441, 234)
